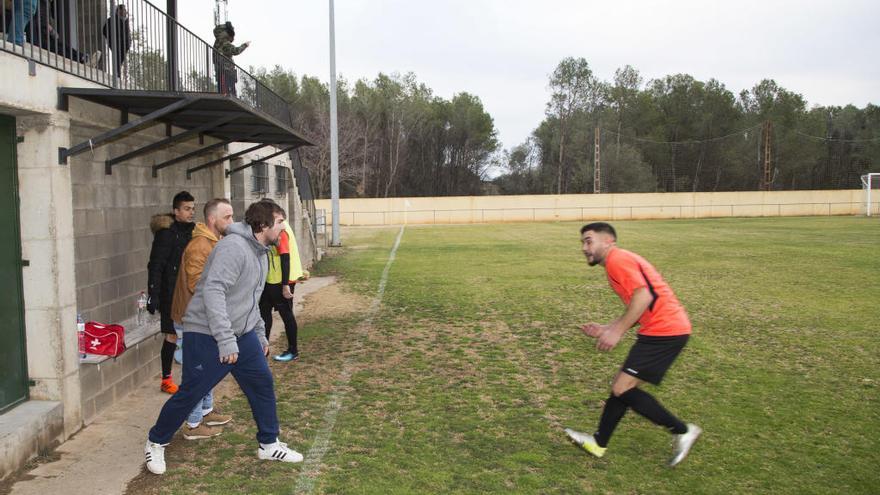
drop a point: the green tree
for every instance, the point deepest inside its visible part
(575, 92)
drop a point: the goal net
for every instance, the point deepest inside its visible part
(871, 189)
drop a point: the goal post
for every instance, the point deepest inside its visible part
(871, 189)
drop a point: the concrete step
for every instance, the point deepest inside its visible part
(31, 428)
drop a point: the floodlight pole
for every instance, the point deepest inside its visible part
(768, 128)
(334, 135)
(597, 170)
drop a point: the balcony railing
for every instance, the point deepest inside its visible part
(306, 191)
(128, 44)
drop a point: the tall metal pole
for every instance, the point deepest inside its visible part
(597, 170)
(334, 135)
(768, 128)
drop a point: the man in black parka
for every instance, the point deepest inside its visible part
(171, 233)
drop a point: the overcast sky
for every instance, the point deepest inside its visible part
(504, 50)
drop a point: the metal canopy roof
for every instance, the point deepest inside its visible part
(219, 116)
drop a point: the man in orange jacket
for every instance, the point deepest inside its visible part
(204, 421)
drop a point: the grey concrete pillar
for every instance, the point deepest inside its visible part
(49, 283)
(220, 184)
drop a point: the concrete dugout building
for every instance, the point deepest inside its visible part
(90, 148)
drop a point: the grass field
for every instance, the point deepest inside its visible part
(474, 363)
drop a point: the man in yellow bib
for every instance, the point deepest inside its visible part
(285, 270)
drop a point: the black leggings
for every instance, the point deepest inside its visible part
(273, 299)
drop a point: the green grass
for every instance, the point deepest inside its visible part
(475, 363)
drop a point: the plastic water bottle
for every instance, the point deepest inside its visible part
(142, 308)
(81, 335)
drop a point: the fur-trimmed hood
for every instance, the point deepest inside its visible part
(161, 221)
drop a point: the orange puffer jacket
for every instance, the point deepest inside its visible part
(191, 266)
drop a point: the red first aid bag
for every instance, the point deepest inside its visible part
(106, 340)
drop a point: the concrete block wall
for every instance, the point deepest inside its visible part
(112, 241)
(571, 207)
(111, 213)
(105, 383)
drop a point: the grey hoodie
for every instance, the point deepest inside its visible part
(226, 301)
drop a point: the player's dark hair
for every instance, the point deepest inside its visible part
(275, 207)
(181, 197)
(600, 227)
(259, 215)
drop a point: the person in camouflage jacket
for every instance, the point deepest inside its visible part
(224, 51)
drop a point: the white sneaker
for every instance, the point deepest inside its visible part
(154, 454)
(278, 451)
(684, 442)
(586, 441)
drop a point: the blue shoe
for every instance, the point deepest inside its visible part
(286, 357)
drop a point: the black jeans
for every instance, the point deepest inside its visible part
(272, 298)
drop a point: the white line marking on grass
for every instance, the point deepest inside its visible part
(315, 456)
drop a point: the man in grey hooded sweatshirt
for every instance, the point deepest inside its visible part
(225, 334)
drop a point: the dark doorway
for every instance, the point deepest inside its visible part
(13, 362)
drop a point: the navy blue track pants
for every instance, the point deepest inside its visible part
(202, 371)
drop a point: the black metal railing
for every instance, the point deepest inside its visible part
(304, 184)
(128, 44)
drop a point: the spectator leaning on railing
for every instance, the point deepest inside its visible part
(47, 37)
(224, 35)
(123, 36)
(22, 13)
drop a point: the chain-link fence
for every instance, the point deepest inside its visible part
(762, 157)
